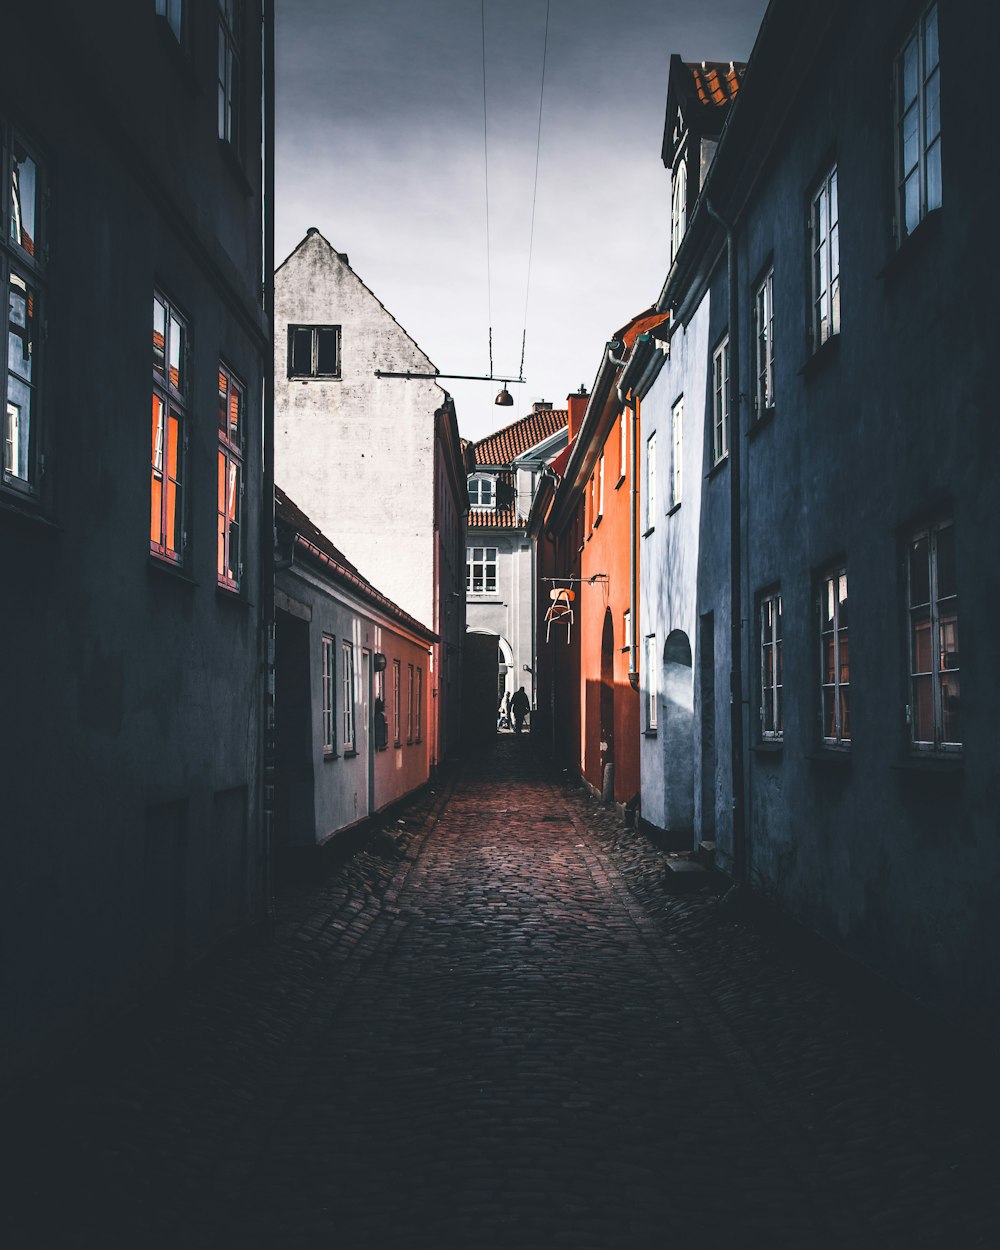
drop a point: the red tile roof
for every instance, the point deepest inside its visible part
(504, 446)
(290, 517)
(716, 82)
(640, 324)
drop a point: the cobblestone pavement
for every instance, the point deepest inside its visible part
(498, 1030)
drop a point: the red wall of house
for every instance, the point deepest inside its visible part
(606, 551)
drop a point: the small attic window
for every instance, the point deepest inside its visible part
(482, 491)
(314, 351)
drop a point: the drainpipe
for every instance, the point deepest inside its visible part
(740, 849)
(267, 536)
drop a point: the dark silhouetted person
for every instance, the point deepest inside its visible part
(520, 706)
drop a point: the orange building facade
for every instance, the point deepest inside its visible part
(586, 524)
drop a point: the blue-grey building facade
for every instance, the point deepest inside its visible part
(832, 327)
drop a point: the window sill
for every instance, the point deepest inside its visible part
(397, 743)
(235, 167)
(649, 733)
(913, 247)
(646, 533)
(19, 511)
(821, 357)
(232, 595)
(330, 756)
(620, 482)
(330, 377)
(718, 466)
(350, 755)
(674, 508)
(932, 764)
(836, 758)
(173, 572)
(771, 747)
(758, 423)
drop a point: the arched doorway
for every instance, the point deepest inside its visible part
(607, 705)
(677, 732)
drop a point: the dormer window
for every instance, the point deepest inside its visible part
(678, 210)
(482, 491)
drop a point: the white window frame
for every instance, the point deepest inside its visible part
(418, 705)
(485, 561)
(409, 704)
(652, 684)
(600, 489)
(231, 481)
(314, 332)
(627, 629)
(917, 110)
(327, 696)
(478, 481)
(623, 445)
(824, 260)
(677, 453)
(720, 402)
(347, 690)
(941, 624)
(651, 481)
(172, 395)
(763, 345)
(678, 208)
(834, 658)
(22, 263)
(229, 74)
(770, 622)
(396, 683)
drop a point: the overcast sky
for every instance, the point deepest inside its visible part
(380, 145)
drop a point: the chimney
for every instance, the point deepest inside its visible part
(541, 405)
(577, 405)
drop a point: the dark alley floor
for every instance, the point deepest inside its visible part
(510, 1036)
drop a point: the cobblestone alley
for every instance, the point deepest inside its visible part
(503, 1032)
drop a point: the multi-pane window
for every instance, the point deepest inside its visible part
(173, 13)
(835, 658)
(600, 487)
(763, 345)
(623, 444)
(720, 402)
(395, 701)
(651, 480)
(329, 745)
(482, 492)
(230, 479)
(651, 682)
(409, 703)
(169, 431)
(678, 208)
(481, 570)
(932, 596)
(771, 723)
(918, 124)
(21, 260)
(314, 351)
(418, 706)
(824, 242)
(347, 688)
(229, 73)
(676, 452)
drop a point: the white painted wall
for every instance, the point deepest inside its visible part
(356, 453)
(668, 572)
(508, 613)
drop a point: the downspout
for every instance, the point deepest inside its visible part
(267, 535)
(740, 855)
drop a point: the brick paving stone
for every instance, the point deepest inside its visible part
(502, 1031)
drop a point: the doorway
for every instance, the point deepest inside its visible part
(678, 734)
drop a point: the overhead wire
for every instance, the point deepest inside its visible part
(534, 191)
(486, 175)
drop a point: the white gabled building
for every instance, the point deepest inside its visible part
(376, 462)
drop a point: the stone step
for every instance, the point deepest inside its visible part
(684, 873)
